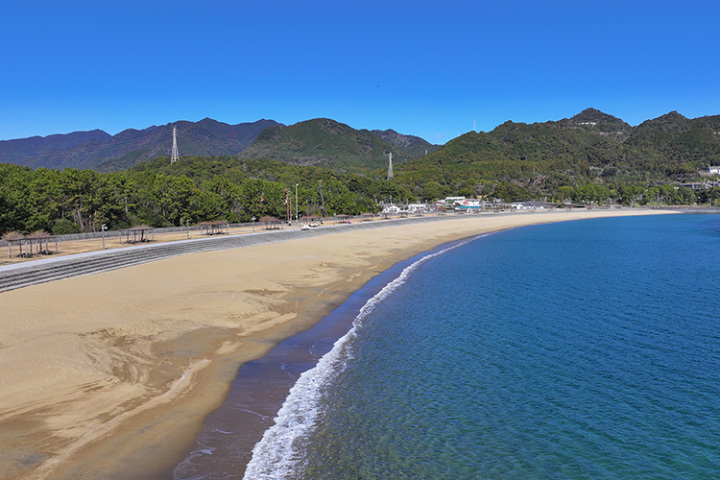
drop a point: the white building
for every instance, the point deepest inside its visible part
(527, 206)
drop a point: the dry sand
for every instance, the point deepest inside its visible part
(110, 375)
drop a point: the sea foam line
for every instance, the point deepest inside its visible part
(277, 455)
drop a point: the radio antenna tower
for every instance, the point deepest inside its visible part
(390, 170)
(175, 156)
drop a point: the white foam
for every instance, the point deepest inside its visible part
(278, 454)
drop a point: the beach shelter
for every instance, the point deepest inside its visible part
(271, 223)
(41, 240)
(214, 228)
(141, 233)
(16, 237)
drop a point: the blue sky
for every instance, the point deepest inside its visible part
(425, 68)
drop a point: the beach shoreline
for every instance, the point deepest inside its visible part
(111, 375)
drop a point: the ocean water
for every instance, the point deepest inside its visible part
(578, 350)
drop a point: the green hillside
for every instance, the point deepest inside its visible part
(590, 148)
(326, 143)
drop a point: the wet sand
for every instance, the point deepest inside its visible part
(111, 375)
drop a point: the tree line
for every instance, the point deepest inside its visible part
(202, 189)
(198, 189)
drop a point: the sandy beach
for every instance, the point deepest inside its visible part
(110, 375)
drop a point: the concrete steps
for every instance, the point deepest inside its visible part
(49, 269)
(46, 270)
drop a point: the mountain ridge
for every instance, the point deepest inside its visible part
(589, 148)
(324, 142)
(592, 140)
(321, 142)
(100, 151)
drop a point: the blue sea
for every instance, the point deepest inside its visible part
(577, 350)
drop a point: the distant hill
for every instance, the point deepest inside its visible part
(327, 143)
(413, 146)
(591, 147)
(598, 122)
(97, 150)
(22, 151)
(681, 141)
(319, 142)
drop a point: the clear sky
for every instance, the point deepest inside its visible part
(425, 68)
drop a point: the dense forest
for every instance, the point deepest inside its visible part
(198, 189)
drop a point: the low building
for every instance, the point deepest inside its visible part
(469, 204)
(527, 206)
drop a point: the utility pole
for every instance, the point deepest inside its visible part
(297, 218)
(288, 206)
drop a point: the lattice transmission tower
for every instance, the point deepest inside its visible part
(175, 155)
(390, 170)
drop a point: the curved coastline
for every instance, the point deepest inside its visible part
(107, 346)
(259, 420)
(275, 452)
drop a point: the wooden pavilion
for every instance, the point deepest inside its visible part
(141, 233)
(17, 238)
(41, 241)
(215, 227)
(270, 223)
(37, 243)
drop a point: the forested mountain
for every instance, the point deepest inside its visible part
(413, 146)
(102, 152)
(23, 151)
(598, 122)
(591, 147)
(319, 142)
(327, 143)
(684, 144)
